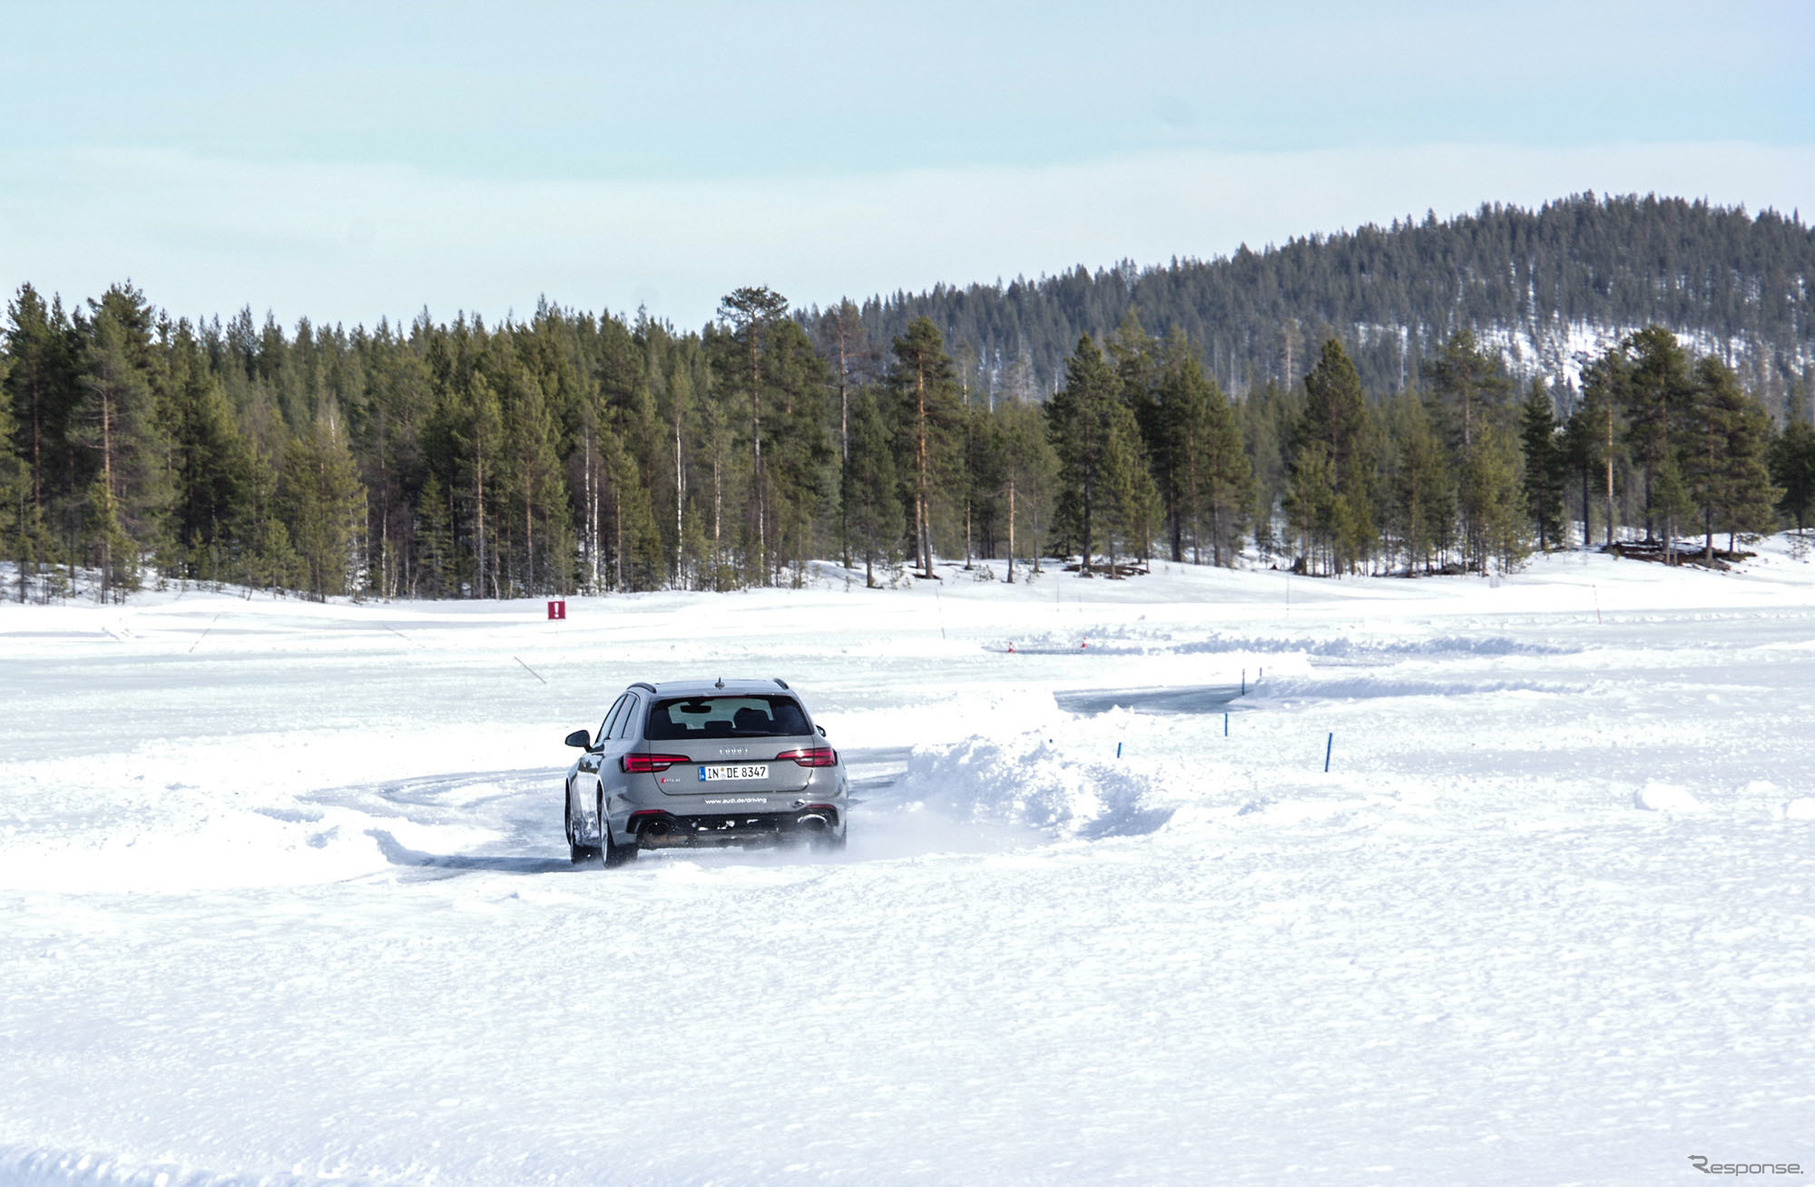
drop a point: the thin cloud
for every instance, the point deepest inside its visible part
(351, 243)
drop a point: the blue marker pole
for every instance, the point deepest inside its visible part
(1327, 747)
(1244, 682)
(1225, 725)
(1118, 750)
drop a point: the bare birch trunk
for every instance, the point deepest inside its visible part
(1011, 529)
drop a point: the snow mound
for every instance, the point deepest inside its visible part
(1030, 781)
(1348, 647)
(1801, 808)
(25, 1166)
(1364, 687)
(1665, 797)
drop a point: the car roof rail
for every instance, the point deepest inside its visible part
(642, 684)
(781, 682)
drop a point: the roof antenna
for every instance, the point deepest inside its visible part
(721, 683)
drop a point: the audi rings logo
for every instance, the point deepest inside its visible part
(1702, 1164)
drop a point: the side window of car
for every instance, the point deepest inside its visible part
(627, 719)
(611, 720)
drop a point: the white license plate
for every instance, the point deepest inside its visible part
(719, 774)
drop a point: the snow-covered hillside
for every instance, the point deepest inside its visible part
(1556, 351)
(284, 896)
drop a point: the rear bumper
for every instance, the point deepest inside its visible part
(658, 829)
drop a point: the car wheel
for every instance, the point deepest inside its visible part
(614, 853)
(830, 842)
(577, 853)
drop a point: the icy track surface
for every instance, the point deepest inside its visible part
(284, 896)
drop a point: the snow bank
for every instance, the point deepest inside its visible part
(1035, 781)
(1665, 797)
(36, 1167)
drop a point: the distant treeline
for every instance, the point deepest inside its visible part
(1739, 286)
(574, 452)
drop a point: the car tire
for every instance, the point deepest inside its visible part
(614, 854)
(577, 853)
(830, 842)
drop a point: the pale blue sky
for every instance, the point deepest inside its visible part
(346, 160)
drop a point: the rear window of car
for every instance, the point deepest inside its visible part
(726, 717)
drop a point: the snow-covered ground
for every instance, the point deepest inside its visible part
(284, 897)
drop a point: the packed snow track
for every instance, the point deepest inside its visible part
(285, 894)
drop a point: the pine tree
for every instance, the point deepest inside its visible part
(116, 556)
(264, 557)
(1337, 504)
(1267, 419)
(387, 437)
(41, 387)
(321, 498)
(1729, 455)
(848, 350)
(531, 503)
(437, 567)
(1088, 424)
(118, 423)
(1137, 362)
(803, 460)
(1420, 487)
(1029, 465)
(1499, 528)
(1596, 436)
(478, 429)
(985, 477)
(923, 383)
(1655, 393)
(1310, 503)
(720, 461)
(872, 506)
(210, 461)
(15, 491)
(1220, 477)
(1793, 469)
(1203, 473)
(1470, 386)
(750, 312)
(1543, 476)
(1130, 502)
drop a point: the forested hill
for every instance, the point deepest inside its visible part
(1542, 287)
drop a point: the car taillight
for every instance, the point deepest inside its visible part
(644, 764)
(814, 756)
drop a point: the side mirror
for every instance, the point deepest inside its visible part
(580, 738)
(821, 729)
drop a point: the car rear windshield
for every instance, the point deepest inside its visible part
(726, 717)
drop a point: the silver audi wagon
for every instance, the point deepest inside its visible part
(725, 762)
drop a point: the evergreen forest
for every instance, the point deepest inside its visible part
(578, 452)
(1539, 286)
